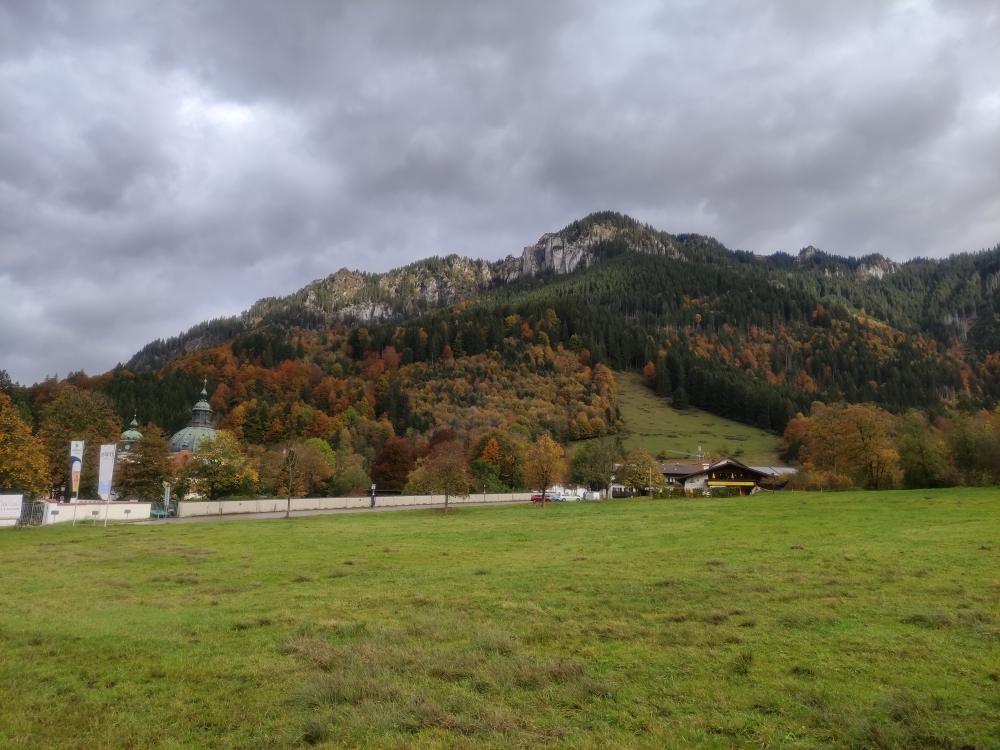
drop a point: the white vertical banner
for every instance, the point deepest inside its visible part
(75, 466)
(107, 468)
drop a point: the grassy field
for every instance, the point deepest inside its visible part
(651, 423)
(795, 620)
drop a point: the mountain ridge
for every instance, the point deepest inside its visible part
(352, 296)
(752, 338)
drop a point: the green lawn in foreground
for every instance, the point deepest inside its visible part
(794, 620)
(651, 423)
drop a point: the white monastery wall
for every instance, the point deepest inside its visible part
(190, 508)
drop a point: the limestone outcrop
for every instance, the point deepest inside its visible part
(351, 296)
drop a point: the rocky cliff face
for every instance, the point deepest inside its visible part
(553, 253)
(877, 269)
(351, 296)
(559, 254)
(356, 297)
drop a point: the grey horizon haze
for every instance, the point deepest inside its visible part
(166, 163)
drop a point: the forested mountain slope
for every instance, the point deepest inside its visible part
(363, 298)
(752, 338)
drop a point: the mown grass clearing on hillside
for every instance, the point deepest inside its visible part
(651, 423)
(789, 620)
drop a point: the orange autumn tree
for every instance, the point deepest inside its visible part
(491, 453)
(649, 375)
(511, 449)
(23, 465)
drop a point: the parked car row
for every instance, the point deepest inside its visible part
(565, 498)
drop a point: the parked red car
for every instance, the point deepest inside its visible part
(548, 498)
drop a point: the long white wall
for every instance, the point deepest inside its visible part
(231, 507)
(85, 512)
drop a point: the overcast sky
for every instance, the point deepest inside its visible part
(162, 163)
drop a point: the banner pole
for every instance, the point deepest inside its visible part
(107, 471)
(75, 451)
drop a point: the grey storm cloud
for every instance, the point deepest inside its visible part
(165, 163)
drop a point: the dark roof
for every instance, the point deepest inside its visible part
(678, 470)
(729, 461)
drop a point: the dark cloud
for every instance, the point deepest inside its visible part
(169, 162)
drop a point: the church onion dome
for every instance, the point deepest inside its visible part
(132, 434)
(198, 428)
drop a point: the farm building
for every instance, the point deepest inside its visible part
(730, 474)
(701, 477)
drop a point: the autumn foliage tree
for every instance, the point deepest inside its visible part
(23, 465)
(296, 469)
(219, 469)
(649, 375)
(640, 471)
(973, 448)
(393, 464)
(444, 472)
(505, 449)
(545, 465)
(848, 445)
(922, 457)
(144, 468)
(491, 452)
(594, 462)
(77, 414)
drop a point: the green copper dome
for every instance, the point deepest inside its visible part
(198, 428)
(132, 434)
(188, 438)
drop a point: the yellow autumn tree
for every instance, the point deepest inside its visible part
(640, 471)
(870, 446)
(852, 444)
(23, 464)
(219, 468)
(545, 465)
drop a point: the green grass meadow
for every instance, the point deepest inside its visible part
(652, 424)
(793, 620)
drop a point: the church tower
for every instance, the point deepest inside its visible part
(198, 428)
